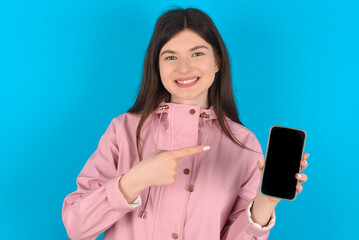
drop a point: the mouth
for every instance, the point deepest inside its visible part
(187, 82)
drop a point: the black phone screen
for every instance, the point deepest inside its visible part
(284, 152)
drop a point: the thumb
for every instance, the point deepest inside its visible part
(260, 163)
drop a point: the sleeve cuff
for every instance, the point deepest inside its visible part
(117, 200)
(270, 224)
(137, 202)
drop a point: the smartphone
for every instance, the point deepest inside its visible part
(284, 152)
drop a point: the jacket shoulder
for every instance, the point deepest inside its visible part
(238, 129)
(125, 120)
(245, 136)
(127, 117)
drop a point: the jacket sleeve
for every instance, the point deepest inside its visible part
(239, 225)
(97, 203)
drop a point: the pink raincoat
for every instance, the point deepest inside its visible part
(210, 199)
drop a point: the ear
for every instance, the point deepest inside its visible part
(218, 65)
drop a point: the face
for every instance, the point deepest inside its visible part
(187, 68)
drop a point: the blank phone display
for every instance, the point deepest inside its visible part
(284, 152)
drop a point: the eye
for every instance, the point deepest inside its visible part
(196, 54)
(170, 58)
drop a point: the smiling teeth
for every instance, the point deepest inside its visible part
(187, 81)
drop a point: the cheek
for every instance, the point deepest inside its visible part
(164, 72)
(165, 75)
(208, 64)
(209, 68)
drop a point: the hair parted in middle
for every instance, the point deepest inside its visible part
(152, 92)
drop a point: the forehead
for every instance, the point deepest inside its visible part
(185, 40)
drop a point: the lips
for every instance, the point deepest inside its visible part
(187, 82)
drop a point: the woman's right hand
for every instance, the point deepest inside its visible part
(160, 168)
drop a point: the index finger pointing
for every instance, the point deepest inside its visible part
(183, 152)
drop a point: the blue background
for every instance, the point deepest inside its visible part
(68, 67)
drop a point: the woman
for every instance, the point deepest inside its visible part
(179, 164)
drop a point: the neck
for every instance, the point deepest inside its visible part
(203, 105)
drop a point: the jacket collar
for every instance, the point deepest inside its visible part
(205, 114)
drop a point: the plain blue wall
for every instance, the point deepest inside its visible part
(68, 67)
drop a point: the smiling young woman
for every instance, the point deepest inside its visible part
(181, 149)
(187, 68)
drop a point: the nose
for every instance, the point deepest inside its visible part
(184, 65)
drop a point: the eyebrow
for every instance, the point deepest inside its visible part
(191, 50)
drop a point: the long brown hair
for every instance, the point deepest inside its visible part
(152, 92)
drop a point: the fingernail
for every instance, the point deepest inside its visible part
(206, 148)
(260, 160)
(307, 155)
(299, 175)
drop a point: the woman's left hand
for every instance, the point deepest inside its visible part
(300, 176)
(264, 206)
